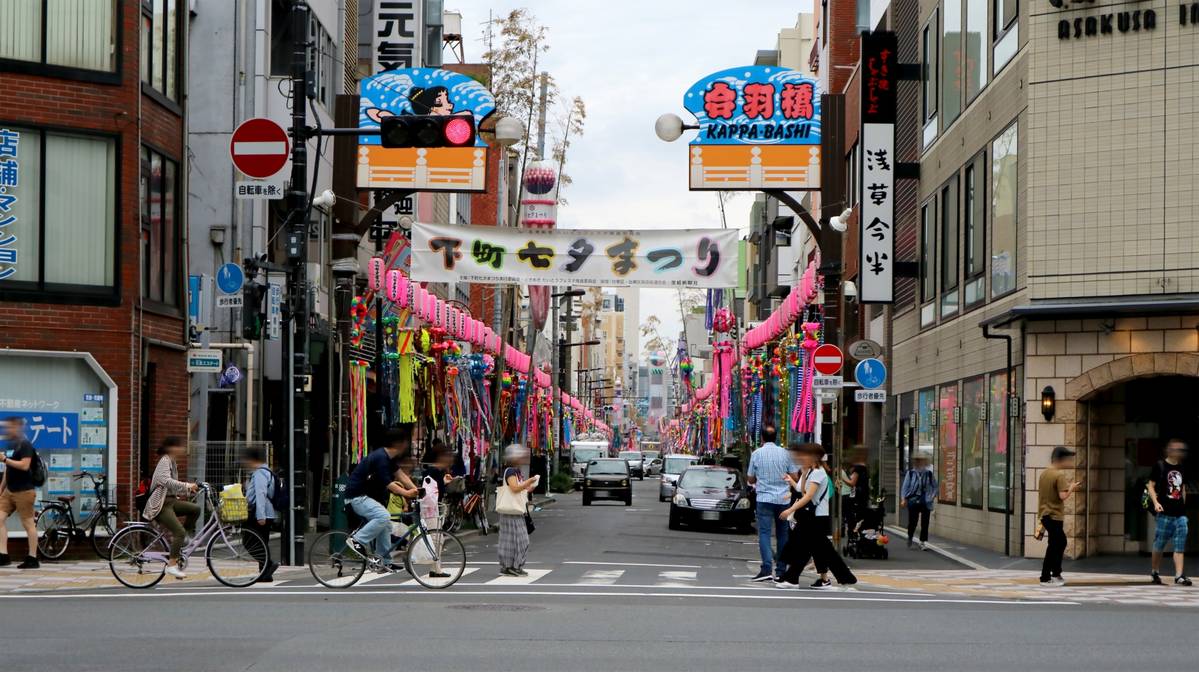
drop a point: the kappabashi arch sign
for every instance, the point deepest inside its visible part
(422, 91)
(759, 128)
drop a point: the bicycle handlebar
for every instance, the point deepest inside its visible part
(88, 475)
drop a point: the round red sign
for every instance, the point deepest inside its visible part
(259, 148)
(828, 359)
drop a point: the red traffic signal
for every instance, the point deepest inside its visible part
(427, 131)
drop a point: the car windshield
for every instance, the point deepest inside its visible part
(708, 479)
(607, 466)
(586, 455)
(676, 465)
(630, 455)
(650, 455)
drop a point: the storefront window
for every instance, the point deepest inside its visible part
(926, 422)
(997, 490)
(1004, 194)
(974, 438)
(947, 444)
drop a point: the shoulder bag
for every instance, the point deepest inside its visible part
(508, 501)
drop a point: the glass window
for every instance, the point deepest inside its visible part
(949, 248)
(1004, 194)
(973, 429)
(928, 69)
(160, 235)
(947, 444)
(160, 20)
(928, 237)
(926, 422)
(952, 68)
(974, 212)
(976, 47)
(1005, 14)
(70, 33)
(997, 478)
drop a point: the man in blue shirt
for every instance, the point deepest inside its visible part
(260, 487)
(768, 465)
(371, 482)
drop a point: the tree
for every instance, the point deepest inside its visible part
(657, 342)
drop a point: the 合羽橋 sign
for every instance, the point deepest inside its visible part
(759, 128)
(700, 258)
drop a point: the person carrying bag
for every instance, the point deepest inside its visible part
(511, 504)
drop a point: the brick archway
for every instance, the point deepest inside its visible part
(1122, 369)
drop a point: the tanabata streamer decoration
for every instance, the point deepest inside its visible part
(804, 417)
(357, 374)
(374, 274)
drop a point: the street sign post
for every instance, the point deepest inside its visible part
(259, 147)
(864, 348)
(828, 359)
(229, 281)
(870, 373)
(204, 360)
(869, 395)
(827, 381)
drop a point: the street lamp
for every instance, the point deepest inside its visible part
(670, 127)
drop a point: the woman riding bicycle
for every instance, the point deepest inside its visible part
(164, 506)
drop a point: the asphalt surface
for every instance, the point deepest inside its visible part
(611, 589)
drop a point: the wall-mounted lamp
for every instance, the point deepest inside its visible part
(1048, 403)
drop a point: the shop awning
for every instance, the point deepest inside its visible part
(1104, 307)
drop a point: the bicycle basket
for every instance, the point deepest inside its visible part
(234, 510)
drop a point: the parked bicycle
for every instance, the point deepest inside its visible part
(56, 524)
(474, 506)
(435, 558)
(454, 500)
(235, 555)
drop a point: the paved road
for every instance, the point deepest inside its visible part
(610, 589)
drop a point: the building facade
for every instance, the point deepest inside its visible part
(92, 235)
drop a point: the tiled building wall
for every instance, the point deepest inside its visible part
(1113, 131)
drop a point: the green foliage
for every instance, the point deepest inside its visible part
(561, 482)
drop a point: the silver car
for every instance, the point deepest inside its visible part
(673, 465)
(636, 463)
(653, 463)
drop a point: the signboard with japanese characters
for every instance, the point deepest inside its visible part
(759, 128)
(699, 258)
(422, 91)
(10, 182)
(399, 32)
(48, 430)
(258, 189)
(876, 221)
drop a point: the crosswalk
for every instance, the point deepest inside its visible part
(578, 574)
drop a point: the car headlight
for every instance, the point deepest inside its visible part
(587, 483)
(680, 499)
(743, 503)
(624, 482)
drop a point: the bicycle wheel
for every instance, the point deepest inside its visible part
(436, 559)
(53, 532)
(453, 519)
(104, 529)
(333, 562)
(236, 557)
(138, 557)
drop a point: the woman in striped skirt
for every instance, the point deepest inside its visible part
(513, 547)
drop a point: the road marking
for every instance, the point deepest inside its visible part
(677, 578)
(369, 577)
(631, 565)
(601, 576)
(412, 583)
(508, 580)
(899, 532)
(857, 597)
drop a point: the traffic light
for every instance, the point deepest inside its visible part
(252, 314)
(427, 131)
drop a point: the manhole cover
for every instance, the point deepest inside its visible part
(495, 606)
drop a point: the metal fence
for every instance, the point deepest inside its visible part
(219, 463)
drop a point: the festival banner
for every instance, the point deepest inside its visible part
(699, 258)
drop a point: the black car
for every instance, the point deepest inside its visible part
(712, 494)
(607, 479)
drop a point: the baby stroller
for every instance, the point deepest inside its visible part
(867, 539)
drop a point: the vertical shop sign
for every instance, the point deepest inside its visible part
(399, 27)
(876, 271)
(10, 181)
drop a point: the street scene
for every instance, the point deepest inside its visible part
(839, 334)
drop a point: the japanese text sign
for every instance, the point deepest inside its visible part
(399, 29)
(49, 430)
(424, 91)
(880, 71)
(10, 181)
(698, 258)
(759, 128)
(876, 222)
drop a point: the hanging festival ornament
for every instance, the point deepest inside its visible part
(393, 285)
(723, 321)
(375, 273)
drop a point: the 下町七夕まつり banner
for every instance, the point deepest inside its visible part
(700, 258)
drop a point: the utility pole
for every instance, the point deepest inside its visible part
(295, 312)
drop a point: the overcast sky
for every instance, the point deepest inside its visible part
(630, 61)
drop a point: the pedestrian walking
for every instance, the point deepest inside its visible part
(769, 467)
(918, 494)
(1053, 489)
(511, 505)
(260, 491)
(17, 491)
(166, 505)
(810, 512)
(1168, 492)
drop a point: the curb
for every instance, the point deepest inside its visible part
(941, 551)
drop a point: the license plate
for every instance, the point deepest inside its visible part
(711, 516)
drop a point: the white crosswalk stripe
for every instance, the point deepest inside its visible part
(601, 577)
(677, 578)
(465, 571)
(507, 580)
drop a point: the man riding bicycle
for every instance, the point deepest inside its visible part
(370, 486)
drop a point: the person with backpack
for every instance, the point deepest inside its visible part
(1168, 493)
(918, 494)
(264, 494)
(18, 492)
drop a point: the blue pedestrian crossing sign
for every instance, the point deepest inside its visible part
(870, 373)
(230, 278)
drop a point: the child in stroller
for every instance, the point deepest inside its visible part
(867, 538)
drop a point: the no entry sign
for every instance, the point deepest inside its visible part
(828, 359)
(259, 148)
